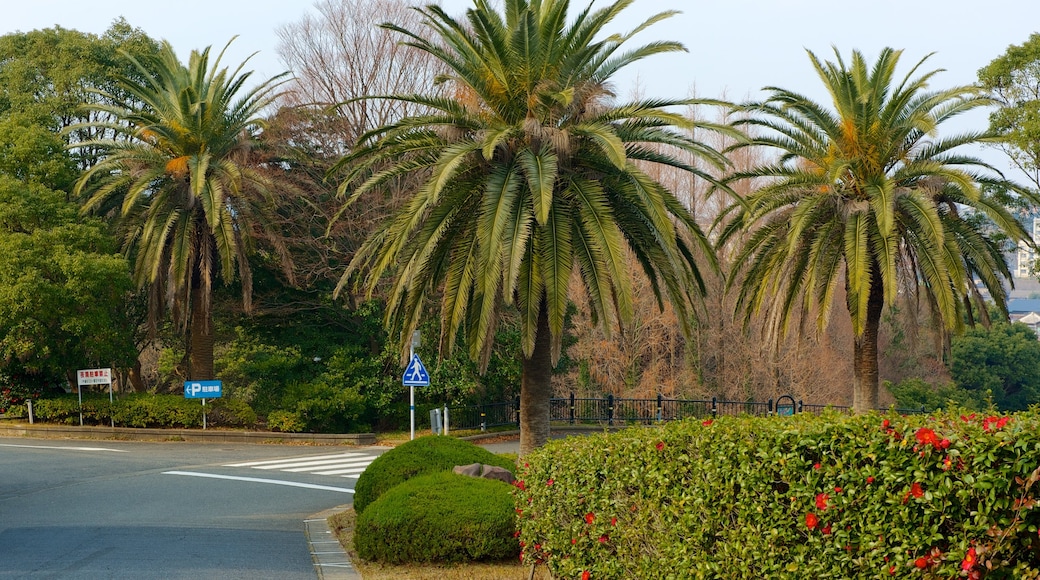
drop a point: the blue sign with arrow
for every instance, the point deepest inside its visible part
(415, 374)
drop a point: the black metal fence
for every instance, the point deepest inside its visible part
(611, 410)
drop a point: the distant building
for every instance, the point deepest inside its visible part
(1026, 255)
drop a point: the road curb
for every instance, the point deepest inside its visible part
(330, 559)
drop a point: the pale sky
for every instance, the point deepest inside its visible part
(735, 47)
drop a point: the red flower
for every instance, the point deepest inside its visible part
(892, 570)
(826, 530)
(915, 490)
(944, 444)
(613, 521)
(707, 422)
(921, 562)
(926, 436)
(585, 575)
(573, 541)
(811, 521)
(590, 517)
(550, 482)
(886, 424)
(603, 539)
(837, 490)
(821, 501)
(660, 445)
(870, 479)
(816, 465)
(969, 560)
(516, 534)
(520, 483)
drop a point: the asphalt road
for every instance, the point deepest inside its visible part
(106, 509)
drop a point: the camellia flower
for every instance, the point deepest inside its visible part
(926, 436)
(921, 562)
(550, 482)
(816, 465)
(870, 479)
(811, 521)
(590, 517)
(826, 529)
(660, 445)
(603, 539)
(585, 575)
(969, 560)
(821, 501)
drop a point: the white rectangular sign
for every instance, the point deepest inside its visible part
(94, 377)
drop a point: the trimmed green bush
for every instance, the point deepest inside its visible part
(439, 517)
(420, 456)
(876, 496)
(144, 410)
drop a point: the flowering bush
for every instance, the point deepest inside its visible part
(16, 389)
(944, 496)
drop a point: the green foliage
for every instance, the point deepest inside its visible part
(144, 410)
(834, 496)
(257, 372)
(320, 407)
(420, 456)
(1002, 362)
(286, 422)
(917, 393)
(63, 290)
(1012, 79)
(439, 517)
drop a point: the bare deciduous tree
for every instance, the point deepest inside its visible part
(342, 53)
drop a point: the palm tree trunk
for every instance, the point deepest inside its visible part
(536, 387)
(865, 354)
(200, 360)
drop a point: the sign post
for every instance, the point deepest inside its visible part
(203, 390)
(415, 375)
(93, 377)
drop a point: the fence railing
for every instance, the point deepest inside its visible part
(611, 410)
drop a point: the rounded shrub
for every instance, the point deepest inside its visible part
(420, 456)
(439, 517)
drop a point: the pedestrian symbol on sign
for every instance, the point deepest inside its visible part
(415, 374)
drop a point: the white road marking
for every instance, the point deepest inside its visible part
(65, 448)
(258, 480)
(336, 457)
(349, 465)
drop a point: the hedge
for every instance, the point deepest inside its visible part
(876, 496)
(428, 454)
(439, 517)
(144, 410)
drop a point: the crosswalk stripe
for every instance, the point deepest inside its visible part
(349, 465)
(342, 472)
(335, 457)
(344, 464)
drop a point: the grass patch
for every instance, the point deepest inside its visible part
(343, 523)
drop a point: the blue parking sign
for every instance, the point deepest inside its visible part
(202, 389)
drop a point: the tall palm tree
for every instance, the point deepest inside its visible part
(177, 174)
(528, 177)
(868, 195)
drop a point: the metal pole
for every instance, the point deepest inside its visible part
(111, 404)
(445, 419)
(29, 402)
(79, 391)
(203, 414)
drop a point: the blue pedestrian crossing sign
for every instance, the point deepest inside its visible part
(415, 374)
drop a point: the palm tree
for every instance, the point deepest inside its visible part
(867, 194)
(527, 177)
(177, 174)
